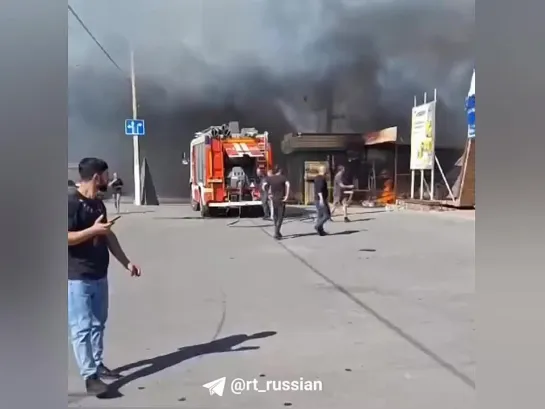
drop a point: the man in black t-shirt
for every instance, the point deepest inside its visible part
(278, 188)
(321, 193)
(117, 185)
(90, 240)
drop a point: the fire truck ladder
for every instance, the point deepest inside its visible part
(262, 161)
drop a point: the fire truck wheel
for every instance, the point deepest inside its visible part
(196, 206)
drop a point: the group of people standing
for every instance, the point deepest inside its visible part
(275, 189)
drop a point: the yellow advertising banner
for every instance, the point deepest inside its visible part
(423, 137)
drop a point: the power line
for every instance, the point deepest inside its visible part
(80, 21)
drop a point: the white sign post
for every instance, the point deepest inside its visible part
(135, 141)
(423, 144)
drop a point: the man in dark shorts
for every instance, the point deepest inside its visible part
(117, 185)
(321, 194)
(264, 196)
(266, 193)
(90, 240)
(278, 188)
(339, 193)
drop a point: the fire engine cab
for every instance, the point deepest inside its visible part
(223, 168)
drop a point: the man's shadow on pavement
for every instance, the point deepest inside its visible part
(340, 233)
(159, 363)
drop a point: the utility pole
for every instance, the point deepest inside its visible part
(135, 139)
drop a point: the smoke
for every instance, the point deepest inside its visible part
(277, 65)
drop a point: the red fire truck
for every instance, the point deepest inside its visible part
(223, 168)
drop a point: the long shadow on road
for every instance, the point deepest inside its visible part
(340, 233)
(159, 363)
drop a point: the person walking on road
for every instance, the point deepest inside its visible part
(264, 196)
(117, 185)
(267, 195)
(90, 240)
(321, 193)
(279, 190)
(339, 190)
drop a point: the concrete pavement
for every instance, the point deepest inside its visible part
(381, 315)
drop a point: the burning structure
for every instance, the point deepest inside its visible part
(369, 160)
(377, 163)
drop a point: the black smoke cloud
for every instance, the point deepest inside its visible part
(272, 64)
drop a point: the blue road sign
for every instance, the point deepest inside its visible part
(135, 127)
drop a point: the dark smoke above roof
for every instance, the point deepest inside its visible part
(277, 65)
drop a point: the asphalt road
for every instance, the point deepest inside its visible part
(380, 312)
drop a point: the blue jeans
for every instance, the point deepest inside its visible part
(324, 214)
(87, 315)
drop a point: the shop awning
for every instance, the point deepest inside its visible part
(237, 150)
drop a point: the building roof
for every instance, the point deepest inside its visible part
(336, 141)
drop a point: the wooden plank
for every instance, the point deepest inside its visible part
(467, 188)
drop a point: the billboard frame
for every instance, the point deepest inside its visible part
(422, 171)
(434, 160)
